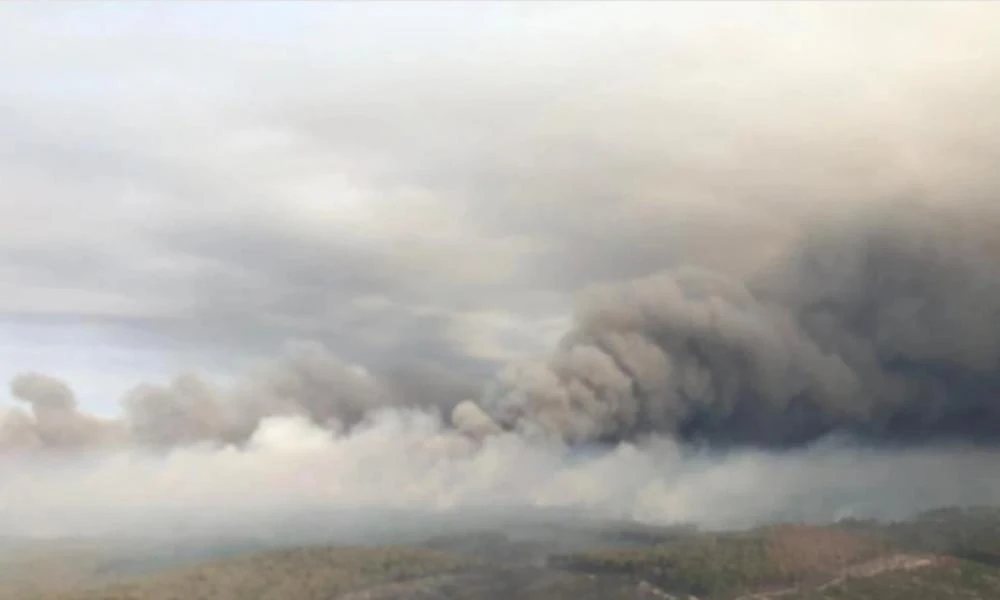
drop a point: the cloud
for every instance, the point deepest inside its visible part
(239, 180)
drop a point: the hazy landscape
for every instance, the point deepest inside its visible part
(488, 300)
(942, 554)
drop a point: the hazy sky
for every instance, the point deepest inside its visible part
(430, 185)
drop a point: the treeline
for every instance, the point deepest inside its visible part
(969, 533)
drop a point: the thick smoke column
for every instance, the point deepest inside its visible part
(888, 329)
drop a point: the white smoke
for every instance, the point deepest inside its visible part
(401, 461)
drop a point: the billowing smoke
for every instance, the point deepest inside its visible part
(887, 329)
(763, 343)
(308, 382)
(53, 420)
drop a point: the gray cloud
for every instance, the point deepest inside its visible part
(488, 159)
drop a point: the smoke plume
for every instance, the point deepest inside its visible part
(884, 330)
(672, 396)
(53, 420)
(307, 382)
(887, 329)
(773, 336)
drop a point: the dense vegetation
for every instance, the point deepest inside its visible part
(954, 581)
(948, 554)
(969, 533)
(718, 565)
(943, 554)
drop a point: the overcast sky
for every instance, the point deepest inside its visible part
(429, 186)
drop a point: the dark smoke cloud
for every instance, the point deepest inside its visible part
(887, 328)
